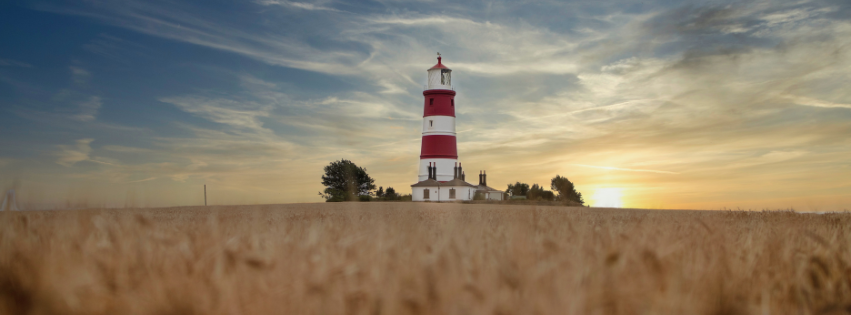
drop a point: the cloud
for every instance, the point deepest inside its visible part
(424, 20)
(625, 169)
(14, 63)
(88, 109)
(500, 47)
(805, 101)
(125, 149)
(223, 111)
(79, 75)
(622, 66)
(777, 156)
(117, 49)
(142, 180)
(795, 15)
(299, 5)
(243, 144)
(70, 155)
(390, 88)
(184, 25)
(247, 146)
(506, 48)
(83, 107)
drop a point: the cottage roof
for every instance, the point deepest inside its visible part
(451, 183)
(489, 189)
(457, 182)
(427, 183)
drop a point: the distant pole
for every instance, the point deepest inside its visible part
(10, 203)
(205, 195)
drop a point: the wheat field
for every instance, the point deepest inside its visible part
(406, 258)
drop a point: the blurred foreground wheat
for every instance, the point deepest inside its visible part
(406, 258)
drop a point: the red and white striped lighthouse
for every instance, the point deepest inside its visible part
(441, 177)
(438, 141)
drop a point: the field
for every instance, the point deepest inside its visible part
(406, 258)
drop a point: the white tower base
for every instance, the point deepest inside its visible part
(445, 169)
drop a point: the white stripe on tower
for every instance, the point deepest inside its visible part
(444, 125)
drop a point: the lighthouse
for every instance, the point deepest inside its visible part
(439, 152)
(441, 177)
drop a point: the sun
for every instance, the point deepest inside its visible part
(607, 198)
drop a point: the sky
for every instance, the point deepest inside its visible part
(642, 104)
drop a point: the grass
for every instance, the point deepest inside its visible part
(406, 258)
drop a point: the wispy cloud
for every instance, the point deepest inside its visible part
(424, 20)
(625, 169)
(117, 49)
(299, 5)
(176, 24)
(14, 63)
(141, 180)
(805, 101)
(69, 155)
(229, 112)
(79, 75)
(88, 109)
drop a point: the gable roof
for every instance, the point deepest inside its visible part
(457, 182)
(489, 189)
(427, 183)
(451, 183)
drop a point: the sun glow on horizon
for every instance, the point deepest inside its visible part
(607, 198)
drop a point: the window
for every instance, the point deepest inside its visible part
(453, 103)
(425, 193)
(431, 102)
(444, 76)
(431, 123)
(452, 193)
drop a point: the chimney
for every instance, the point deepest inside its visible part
(485, 178)
(480, 178)
(434, 172)
(455, 171)
(429, 170)
(463, 176)
(460, 172)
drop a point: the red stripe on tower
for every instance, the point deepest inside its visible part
(439, 147)
(439, 103)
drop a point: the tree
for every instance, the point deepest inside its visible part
(391, 194)
(566, 190)
(518, 189)
(380, 192)
(537, 192)
(534, 192)
(345, 181)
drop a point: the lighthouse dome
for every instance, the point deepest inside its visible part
(439, 76)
